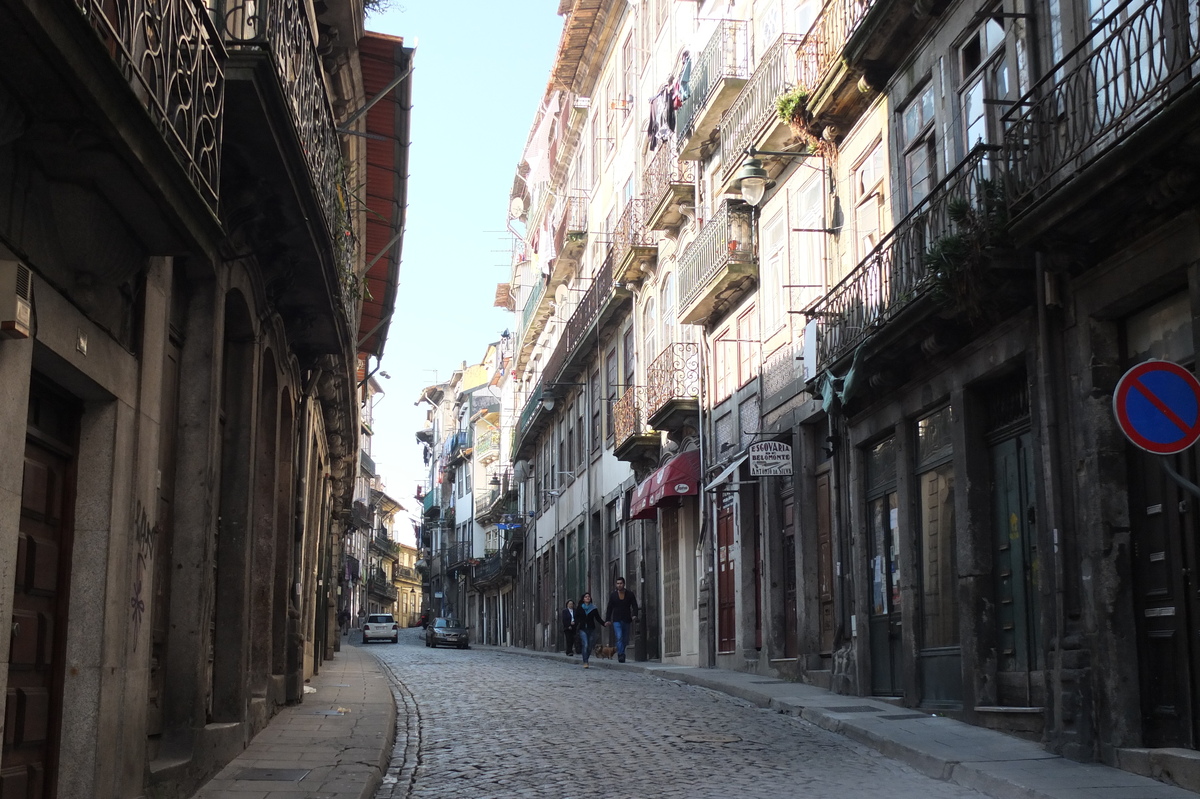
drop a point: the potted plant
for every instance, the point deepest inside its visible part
(792, 108)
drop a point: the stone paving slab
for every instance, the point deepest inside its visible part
(345, 755)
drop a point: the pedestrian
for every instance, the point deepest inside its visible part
(570, 625)
(589, 625)
(622, 612)
(344, 621)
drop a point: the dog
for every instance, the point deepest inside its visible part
(605, 652)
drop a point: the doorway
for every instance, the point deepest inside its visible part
(886, 623)
(726, 594)
(28, 763)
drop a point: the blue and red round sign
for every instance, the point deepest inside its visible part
(1157, 405)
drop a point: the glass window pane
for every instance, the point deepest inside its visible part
(939, 605)
(933, 436)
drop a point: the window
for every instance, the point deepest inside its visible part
(667, 303)
(610, 392)
(580, 430)
(748, 347)
(597, 404)
(985, 74)
(774, 238)
(650, 329)
(809, 244)
(724, 354)
(629, 351)
(569, 458)
(610, 116)
(627, 193)
(935, 502)
(883, 516)
(868, 201)
(628, 74)
(920, 154)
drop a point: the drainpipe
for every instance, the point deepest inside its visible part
(1048, 412)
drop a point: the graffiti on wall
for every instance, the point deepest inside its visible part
(145, 537)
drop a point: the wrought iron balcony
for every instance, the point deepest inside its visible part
(595, 309)
(1128, 71)
(633, 439)
(280, 29)
(528, 422)
(381, 586)
(823, 46)
(719, 264)
(894, 276)
(633, 242)
(431, 502)
(753, 113)
(385, 545)
(457, 554)
(487, 444)
(717, 76)
(673, 386)
(174, 61)
(667, 183)
(570, 234)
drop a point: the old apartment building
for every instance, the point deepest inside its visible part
(185, 267)
(914, 245)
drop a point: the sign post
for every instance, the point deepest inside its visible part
(1157, 405)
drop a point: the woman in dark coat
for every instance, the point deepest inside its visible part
(590, 625)
(570, 625)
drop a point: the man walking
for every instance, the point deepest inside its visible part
(621, 613)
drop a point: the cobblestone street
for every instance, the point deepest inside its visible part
(491, 724)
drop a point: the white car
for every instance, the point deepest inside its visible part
(380, 625)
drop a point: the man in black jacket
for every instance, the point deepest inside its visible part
(622, 612)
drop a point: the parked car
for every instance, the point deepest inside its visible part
(450, 632)
(380, 625)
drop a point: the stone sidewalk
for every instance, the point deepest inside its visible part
(335, 745)
(338, 743)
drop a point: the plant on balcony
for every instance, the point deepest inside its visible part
(792, 108)
(955, 263)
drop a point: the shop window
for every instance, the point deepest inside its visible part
(935, 504)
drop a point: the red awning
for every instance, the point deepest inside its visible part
(680, 477)
(384, 59)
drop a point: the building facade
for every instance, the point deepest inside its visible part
(184, 267)
(913, 245)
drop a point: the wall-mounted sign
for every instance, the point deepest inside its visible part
(770, 459)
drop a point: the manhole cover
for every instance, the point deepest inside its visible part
(276, 774)
(709, 738)
(853, 709)
(328, 713)
(903, 716)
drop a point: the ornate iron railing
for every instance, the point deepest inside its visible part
(629, 415)
(775, 74)
(674, 375)
(572, 226)
(727, 238)
(631, 230)
(380, 585)
(822, 46)
(527, 413)
(281, 29)
(1129, 69)
(458, 552)
(726, 56)
(531, 306)
(581, 320)
(173, 59)
(894, 275)
(385, 544)
(487, 442)
(664, 170)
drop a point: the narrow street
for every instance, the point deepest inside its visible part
(483, 723)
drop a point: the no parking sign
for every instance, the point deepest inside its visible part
(1157, 405)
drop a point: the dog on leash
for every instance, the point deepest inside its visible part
(605, 652)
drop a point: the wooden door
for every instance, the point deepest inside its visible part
(1165, 531)
(825, 562)
(758, 559)
(672, 634)
(1015, 554)
(42, 575)
(726, 594)
(886, 623)
(791, 638)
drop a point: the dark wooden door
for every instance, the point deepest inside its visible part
(791, 642)
(34, 696)
(887, 620)
(1165, 530)
(825, 562)
(1015, 553)
(758, 560)
(726, 595)
(672, 632)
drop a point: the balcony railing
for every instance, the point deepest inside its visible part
(629, 415)
(725, 57)
(430, 501)
(172, 57)
(380, 585)
(458, 553)
(1130, 68)
(581, 321)
(632, 238)
(665, 174)
(487, 443)
(528, 412)
(280, 28)
(724, 240)
(673, 375)
(894, 275)
(572, 227)
(776, 73)
(822, 46)
(531, 306)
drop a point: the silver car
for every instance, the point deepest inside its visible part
(450, 632)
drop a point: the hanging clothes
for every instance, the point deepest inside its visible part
(660, 109)
(683, 87)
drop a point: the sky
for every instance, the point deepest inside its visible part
(479, 72)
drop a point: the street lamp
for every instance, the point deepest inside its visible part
(754, 180)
